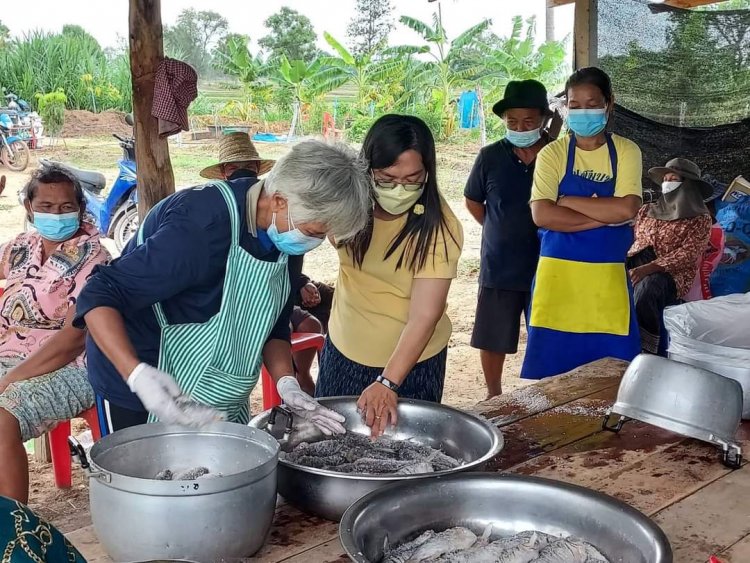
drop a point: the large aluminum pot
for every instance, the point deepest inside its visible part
(512, 504)
(681, 398)
(328, 493)
(138, 518)
(716, 363)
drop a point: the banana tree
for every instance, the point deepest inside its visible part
(365, 71)
(236, 60)
(517, 57)
(447, 71)
(302, 79)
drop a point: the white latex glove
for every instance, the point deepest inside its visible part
(158, 392)
(303, 405)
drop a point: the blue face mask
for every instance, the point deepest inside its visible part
(57, 228)
(523, 139)
(587, 122)
(293, 241)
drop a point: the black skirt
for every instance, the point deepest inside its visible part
(340, 376)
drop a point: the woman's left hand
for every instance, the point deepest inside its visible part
(310, 295)
(378, 406)
(637, 275)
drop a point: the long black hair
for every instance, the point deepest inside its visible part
(388, 138)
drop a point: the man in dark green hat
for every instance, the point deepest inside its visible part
(497, 195)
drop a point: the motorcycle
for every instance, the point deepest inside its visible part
(14, 152)
(116, 215)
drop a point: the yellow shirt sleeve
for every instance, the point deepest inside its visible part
(629, 168)
(450, 241)
(549, 170)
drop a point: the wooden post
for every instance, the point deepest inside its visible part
(42, 452)
(482, 123)
(586, 35)
(154, 169)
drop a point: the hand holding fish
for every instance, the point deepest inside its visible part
(378, 406)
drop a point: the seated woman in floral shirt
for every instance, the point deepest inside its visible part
(671, 235)
(43, 378)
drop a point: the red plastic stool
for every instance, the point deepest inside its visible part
(300, 341)
(58, 445)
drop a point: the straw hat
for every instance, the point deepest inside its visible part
(236, 147)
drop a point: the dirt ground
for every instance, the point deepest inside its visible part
(464, 382)
(81, 123)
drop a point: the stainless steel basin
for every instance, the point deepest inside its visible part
(138, 518)
(681, 398)
(740, 374)
(328, 494)
(511, 503)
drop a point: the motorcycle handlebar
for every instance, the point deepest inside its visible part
(123, 140)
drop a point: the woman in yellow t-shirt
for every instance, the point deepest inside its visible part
(586, 191)
(388, 332)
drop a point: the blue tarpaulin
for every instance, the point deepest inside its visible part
(468, 110)
(269, 138)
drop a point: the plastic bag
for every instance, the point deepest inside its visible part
(724, 321)
(733, 273)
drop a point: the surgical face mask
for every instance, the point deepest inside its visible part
(524, 139)
(667, 187)
(587, 122)
(57, 228)
(397, 199)
(293, 241)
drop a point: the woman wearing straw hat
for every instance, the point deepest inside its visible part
(671, 236)
(202, 296)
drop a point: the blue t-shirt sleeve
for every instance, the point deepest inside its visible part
(172, 259)
(476, 185)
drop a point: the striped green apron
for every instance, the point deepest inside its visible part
(218, 362)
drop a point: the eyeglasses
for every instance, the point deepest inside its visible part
(409, 187)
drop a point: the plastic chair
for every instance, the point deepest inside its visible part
(300, 341)
(58, 445)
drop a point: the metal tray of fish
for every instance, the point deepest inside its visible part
(471, 440)
(510, 504)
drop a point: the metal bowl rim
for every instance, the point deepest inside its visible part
(227, 482)
(498, 442)
(348, 519)
(678, 426)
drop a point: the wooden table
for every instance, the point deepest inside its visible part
(553, 429)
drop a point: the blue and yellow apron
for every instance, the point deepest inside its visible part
(582, 300)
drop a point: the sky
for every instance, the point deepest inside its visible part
(105, 19)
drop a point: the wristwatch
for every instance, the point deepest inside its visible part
(388, 383)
